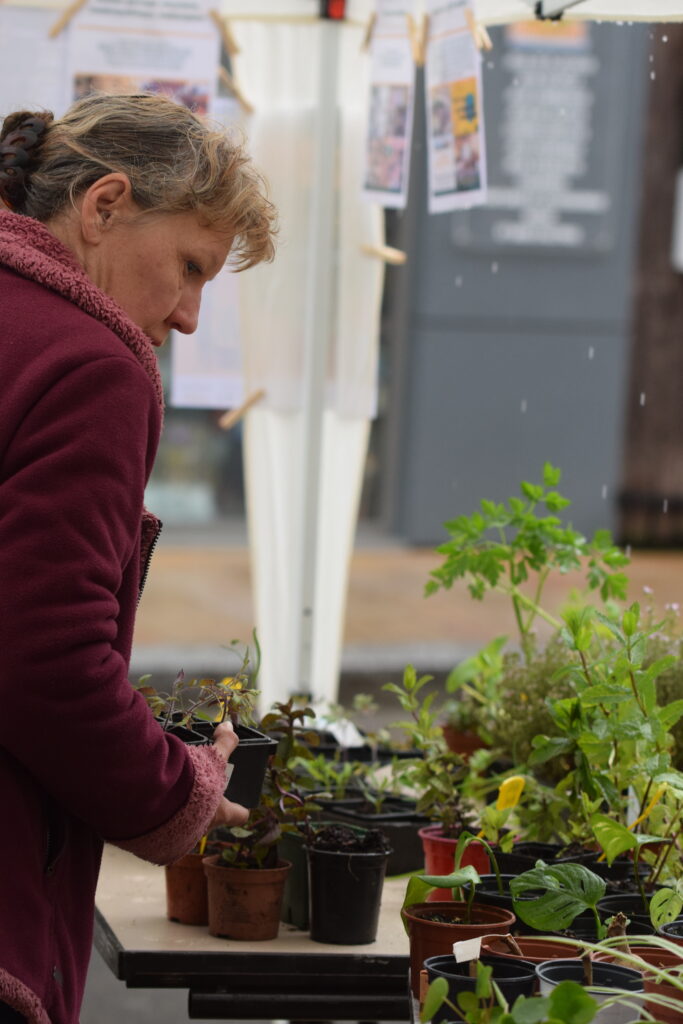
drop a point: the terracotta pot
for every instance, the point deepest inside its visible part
(436, 938)
(665, 961)
(464, 743)
(439, 853)
(186, 890)
(245, 903)
(534, 949)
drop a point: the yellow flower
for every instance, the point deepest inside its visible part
(231, 683)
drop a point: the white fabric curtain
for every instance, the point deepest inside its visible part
(278, 71)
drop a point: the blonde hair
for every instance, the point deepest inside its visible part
(175, 160)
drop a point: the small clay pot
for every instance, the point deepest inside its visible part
(244, 903)
(534, 949)
(186, 891)
(435, 938)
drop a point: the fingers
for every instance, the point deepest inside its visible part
(228, 813)
(225, 739)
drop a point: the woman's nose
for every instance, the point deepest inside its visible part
(185, 316)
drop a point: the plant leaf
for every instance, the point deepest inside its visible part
(530, 1011)
(665, 906)
(570, 1003)
(436, 993)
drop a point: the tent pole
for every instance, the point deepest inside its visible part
(318, 336)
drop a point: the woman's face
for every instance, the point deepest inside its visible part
(155, 266)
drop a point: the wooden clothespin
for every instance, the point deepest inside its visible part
(482, 40)
(232, 86)
(227, 38)
(369, 29)
(229, 419)
(418, 37)
(396, 257)
(65, 17)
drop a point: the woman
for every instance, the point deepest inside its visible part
(117, 215)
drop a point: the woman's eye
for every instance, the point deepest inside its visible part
(193, 268)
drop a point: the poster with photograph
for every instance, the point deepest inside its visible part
(455, 117)
(390, 119)
(164, 46)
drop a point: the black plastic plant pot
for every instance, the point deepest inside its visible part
(620, 870)
(249, 758)
(513, 977)
(295, 898)
(606, 978)
(487, 892)
(523, 857)
(584, 926)
(673, 931)
(399, 824)
(345, 895)
(629, 903)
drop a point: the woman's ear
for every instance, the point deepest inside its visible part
(106, 202)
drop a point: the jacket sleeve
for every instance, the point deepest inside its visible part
(71, 494)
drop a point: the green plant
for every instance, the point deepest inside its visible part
(569, 1003)
(206, 700)
(332, 777)
(615, 736)
(511, 547)
(420, 885)
(477, 681)
(568, 890)
(282, 806)
(436, 776)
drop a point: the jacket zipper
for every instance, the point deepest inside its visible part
(148, 559)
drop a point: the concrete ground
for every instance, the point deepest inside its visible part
(199, 592)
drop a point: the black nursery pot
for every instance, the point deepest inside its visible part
(523, 857)
(345, 895)
(513, 977)
(487, 893)
(605, 975)
(295, 898)
(630, 904)
(250, 758)
(397, 821)
(583, 926)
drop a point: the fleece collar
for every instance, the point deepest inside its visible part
(27, 247)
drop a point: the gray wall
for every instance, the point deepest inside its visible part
(503, 355)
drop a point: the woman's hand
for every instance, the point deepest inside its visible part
(225, 739)
(228, 813)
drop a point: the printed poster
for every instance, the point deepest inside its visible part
(455, 118)
(165, 46)
(392, 90)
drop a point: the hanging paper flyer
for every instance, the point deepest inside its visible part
(392, 90)
(455, 117)
(163, 46)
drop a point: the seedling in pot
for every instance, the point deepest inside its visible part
(569, 1003)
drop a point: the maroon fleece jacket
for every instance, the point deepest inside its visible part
(81, 758)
